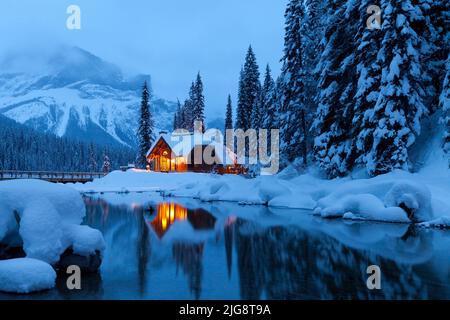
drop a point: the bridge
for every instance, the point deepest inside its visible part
(56, 177)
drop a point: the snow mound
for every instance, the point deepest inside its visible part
(379, 199)
(415, 199)
(25, 275)
(47, 216)
(83, 239)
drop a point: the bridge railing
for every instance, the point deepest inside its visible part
(52, 175)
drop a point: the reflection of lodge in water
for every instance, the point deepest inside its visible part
(168, 213)
(285, 262)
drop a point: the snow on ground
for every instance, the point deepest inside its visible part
(47, 219)
(26, 275)
(395, 197)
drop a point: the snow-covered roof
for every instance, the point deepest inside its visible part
(182, 145)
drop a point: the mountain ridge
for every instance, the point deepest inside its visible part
(80, 96)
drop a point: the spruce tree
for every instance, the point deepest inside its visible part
(445, 105)
(198, 101)
(268, 103)
(313, 27)
(257, 112)
(333, 144)
(189, 106)
(240, 113)
(294, 127)
(400, 106)
(368, 72)
(145, 131)
(434, 28)
(249, 88)
(229, 115)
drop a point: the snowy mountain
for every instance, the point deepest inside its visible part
(78, 95)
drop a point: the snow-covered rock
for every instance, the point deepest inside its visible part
(414, 198)
(47, 218)
(26, 275)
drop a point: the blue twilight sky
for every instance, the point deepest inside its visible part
(170, 39)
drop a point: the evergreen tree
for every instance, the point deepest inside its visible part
(249, 89)
(369, 79)
(257, 111)
(268, 101)
(189, 106)
(434, 27)
(333, 144)
(198, 101)
(229, 115)
(400, 106)
(145, 131)
(294, 127)
(313, 31)
(445, 104)
(240, 113)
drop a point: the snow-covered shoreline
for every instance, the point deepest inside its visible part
(389, 198)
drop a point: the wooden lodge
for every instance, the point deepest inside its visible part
(176, 153)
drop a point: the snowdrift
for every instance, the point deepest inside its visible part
(26, 275)
(45, 219)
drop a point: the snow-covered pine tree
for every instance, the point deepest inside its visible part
(249, 87)
(368, 85)
(257, 112)
(312, 35)
(240, 112)
(229, 115)
(333, 144)
(145, 130)
(434, 28)
(294, 128)
(198, 101)
(445, 104)
(189, 109)
(106, 168)
(400, 106)
(268, 104)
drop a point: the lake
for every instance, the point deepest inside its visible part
(175, 248)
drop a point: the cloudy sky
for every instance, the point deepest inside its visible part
(170, 39)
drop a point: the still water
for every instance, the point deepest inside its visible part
(184, 249)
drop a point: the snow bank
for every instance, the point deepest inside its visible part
(47, 217)
(381, 199)
(83, 239)
(25, 275)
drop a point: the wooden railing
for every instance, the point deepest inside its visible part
(51, 176)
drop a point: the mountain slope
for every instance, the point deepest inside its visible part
(79, 96)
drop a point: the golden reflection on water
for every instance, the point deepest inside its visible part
(167, 213)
